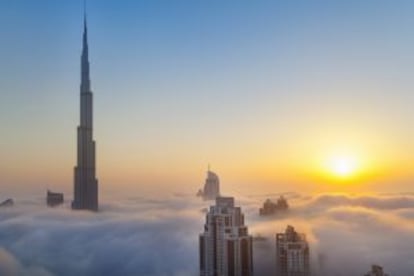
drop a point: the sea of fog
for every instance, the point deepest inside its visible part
(159, 236)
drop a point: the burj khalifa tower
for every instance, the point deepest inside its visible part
(85, 181)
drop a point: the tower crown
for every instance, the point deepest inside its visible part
(85, 79)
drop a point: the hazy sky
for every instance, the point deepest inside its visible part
(267, 92)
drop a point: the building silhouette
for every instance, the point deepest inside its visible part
(211, 188)
(225, 246)
(7, 203)
(54, 199)
(292, 253)
(85, 182)
(270, 208)
(376, 270)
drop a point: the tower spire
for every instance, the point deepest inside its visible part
(84, 14)
(85, 79)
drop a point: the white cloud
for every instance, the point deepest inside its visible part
(143, 236)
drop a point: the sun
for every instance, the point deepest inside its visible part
(343, 166)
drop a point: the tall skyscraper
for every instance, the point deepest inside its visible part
(211, 188)
(225, 245)
(292, 253)
(86, 184)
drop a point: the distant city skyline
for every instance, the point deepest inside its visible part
(304, 109)
(266, 92)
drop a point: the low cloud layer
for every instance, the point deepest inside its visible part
(149, 236)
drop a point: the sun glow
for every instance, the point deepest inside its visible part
(343, 166)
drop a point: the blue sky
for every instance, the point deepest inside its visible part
(255, 88)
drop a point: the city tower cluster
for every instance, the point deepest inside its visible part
(226, 247)
(225, 244)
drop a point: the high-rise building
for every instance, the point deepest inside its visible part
(270, 208)
(54, 199)
(85, 182)
(292, 253)
(211, 188)
(225, 245)
(376, 270)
